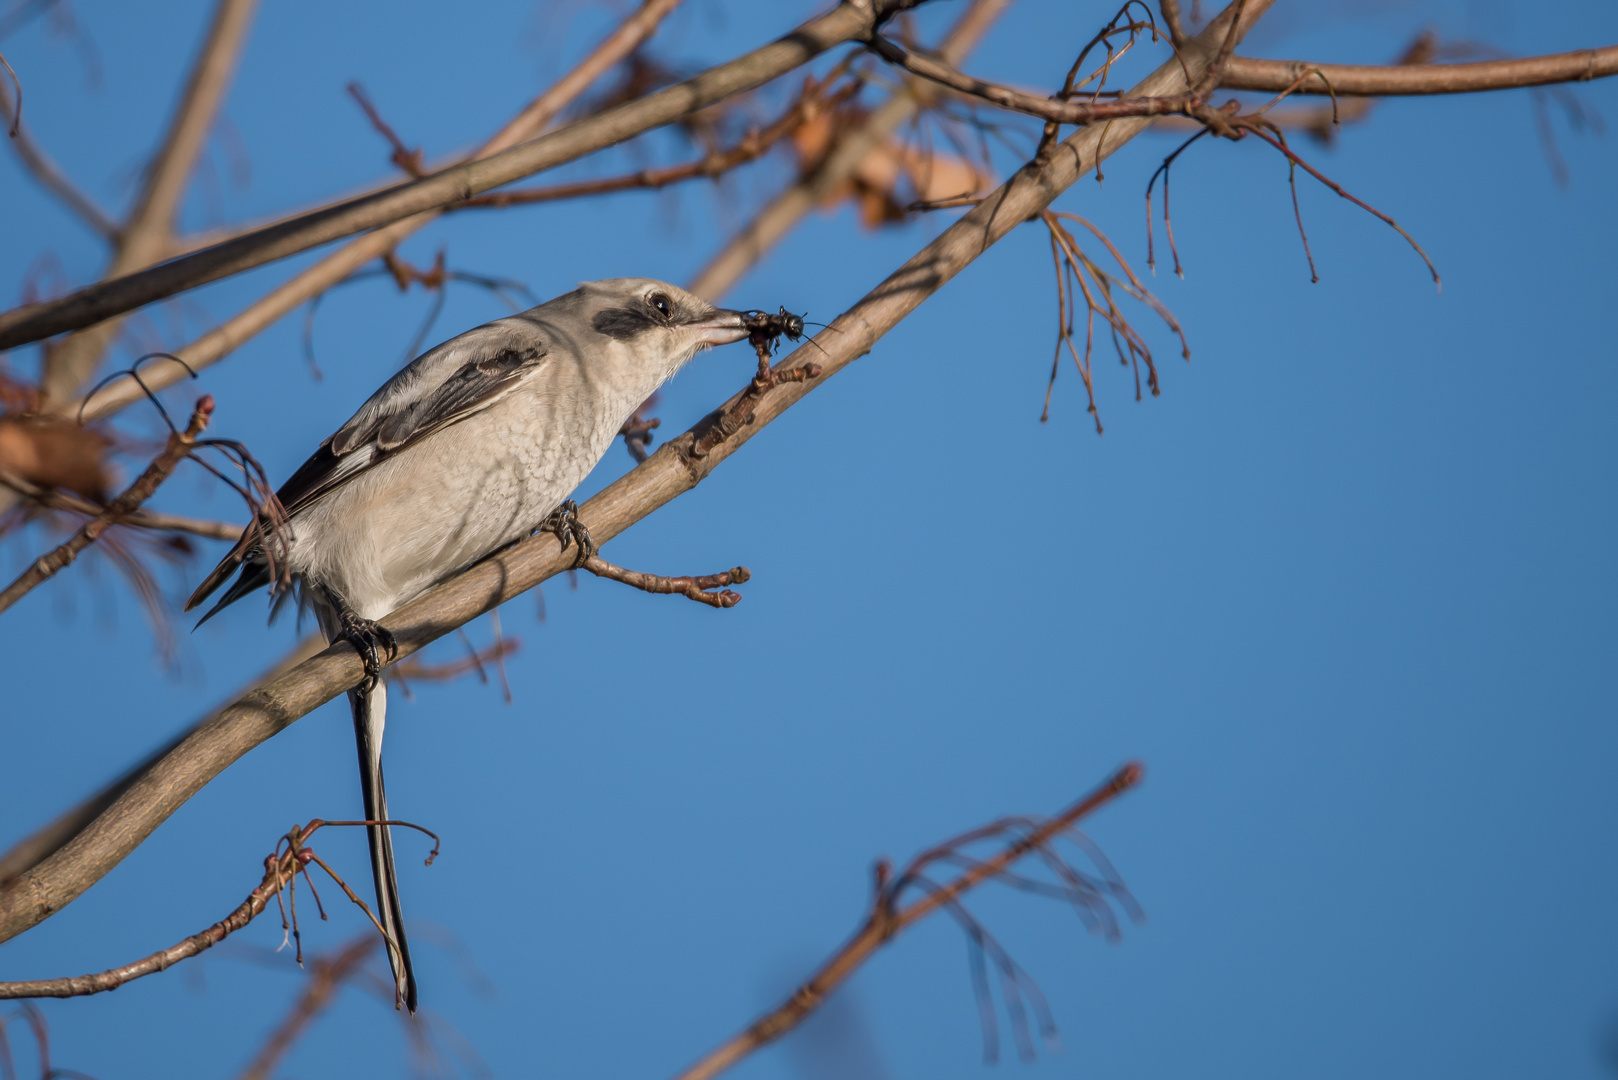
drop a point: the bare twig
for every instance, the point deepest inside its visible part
(277, 703)
(475, 660)
(88, 306)
(752, 146)
(1077, 273)
(1006, 97)
(1373, 80)
(179, 446)
(886, 919)
(280, 871)
(16, 119)
(692, 588)
(57, 499)
(221, 341)
(405, 158)
(327, 976)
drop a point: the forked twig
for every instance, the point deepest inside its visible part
(886, 919)
(180, 444)
(692, 588)
(292, 854)
(1077, 274)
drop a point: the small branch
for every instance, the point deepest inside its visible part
(1374, 80)
(637, 433)
(405, 158)
(327, 976)
(57, 499)
(179, 446)
(887, 920)
(692, 588)
(414, 670)
(1050, 109)
(750, 148)
(279, 870)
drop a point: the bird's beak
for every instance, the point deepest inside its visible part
(720, 328)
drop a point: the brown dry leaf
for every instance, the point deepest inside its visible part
(875, 184)
(51, 452)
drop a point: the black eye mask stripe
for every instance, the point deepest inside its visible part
(625, 323)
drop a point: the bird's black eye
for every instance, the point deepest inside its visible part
(664, 306)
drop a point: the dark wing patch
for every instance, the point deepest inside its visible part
(625, 323)
(474, 386)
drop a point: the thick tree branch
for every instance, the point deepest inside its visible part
(225, 338)
(86, 307)
(178, 447)
(788, 208)
(1372, 80)
(887, 921)
(39, 845)
(147, 233)
(271, 707)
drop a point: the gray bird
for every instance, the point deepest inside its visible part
(471, 446)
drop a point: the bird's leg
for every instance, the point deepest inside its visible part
(366, 635)
(564, 522)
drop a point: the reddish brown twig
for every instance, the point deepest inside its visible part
(886, 919)
(637, 435)
(405, 158)
(327, 976)
(692, 588)
(1279, 142)
(475, 660)
(1077, 274)
(178, 447)
(814, 100)
(1045, 108)
(719, 426)
(280, 870)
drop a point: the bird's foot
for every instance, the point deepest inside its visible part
(564, 522)
(368, 637)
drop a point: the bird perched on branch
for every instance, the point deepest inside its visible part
(471, 446)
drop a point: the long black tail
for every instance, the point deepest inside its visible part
(370, 717)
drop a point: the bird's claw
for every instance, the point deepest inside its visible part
(564, 522)
(366, 635)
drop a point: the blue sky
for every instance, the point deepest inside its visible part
(1346, 588)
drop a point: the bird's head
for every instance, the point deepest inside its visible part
(656, 326)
